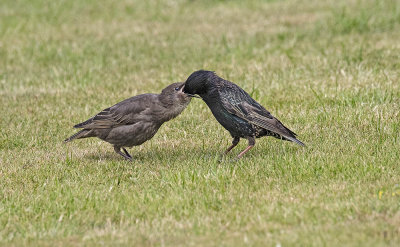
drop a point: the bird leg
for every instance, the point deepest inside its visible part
(118, 151)
(235, 142)
(126, 152)
(252, 142)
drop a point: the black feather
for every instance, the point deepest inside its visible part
(235, 110)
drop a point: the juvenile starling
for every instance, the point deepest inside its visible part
(135, 120)
(235, 110)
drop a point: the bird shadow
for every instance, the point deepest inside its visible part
(109, 156)
(168, 155)
(112, 156)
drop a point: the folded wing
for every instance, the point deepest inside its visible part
(126, 112)
(239, 103)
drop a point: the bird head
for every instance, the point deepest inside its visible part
(174, 95)
(198, 82)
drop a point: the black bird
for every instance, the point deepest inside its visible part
(235, 110)
(135, 120)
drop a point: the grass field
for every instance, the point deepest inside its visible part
(329, 70)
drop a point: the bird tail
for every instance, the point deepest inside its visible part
(80, 134)
(82, 125)
(295, 141)
(291, 136)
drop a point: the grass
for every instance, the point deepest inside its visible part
(327, 69)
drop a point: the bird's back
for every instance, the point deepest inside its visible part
(216, 98)
(131, 109)
(241, 115)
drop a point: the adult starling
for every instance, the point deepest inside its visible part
(135, 120)
(235, 110)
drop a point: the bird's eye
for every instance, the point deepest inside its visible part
(177, 89)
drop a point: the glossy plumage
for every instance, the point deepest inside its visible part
(135, 120)
(235, 110)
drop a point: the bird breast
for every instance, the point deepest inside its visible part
(132, 134)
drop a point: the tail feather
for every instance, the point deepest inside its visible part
(295, 140)
(77, 135)
(81, 125)
(289, 135)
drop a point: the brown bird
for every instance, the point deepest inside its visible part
(135, 120)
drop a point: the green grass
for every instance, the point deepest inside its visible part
(327, 69)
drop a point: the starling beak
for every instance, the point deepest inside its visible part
(188, 94)
(236, 111)
(135, 120)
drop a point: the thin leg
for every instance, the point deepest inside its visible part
(245, 151)
(235, 142)
(252, 142)
(118, 151)
(126, 152)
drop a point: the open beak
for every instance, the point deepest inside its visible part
(182, 87)
(188, 94)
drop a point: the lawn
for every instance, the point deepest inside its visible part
(329, 70)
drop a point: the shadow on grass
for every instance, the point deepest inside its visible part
(165, 156)
(108, 156)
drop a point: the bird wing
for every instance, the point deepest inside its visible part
(237, 102)
(125, 112)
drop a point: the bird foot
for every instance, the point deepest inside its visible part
(126, 155)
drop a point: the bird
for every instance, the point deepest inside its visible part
(235, 110)
(134, 121)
